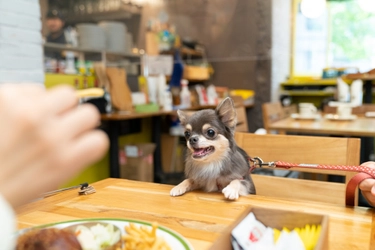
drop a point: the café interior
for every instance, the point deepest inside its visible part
(299, 75)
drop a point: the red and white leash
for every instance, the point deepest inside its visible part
(363, 173)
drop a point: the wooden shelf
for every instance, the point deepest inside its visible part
(308, 93)
(191, 52)
(185, 52)
(125, 12)
(59, 47)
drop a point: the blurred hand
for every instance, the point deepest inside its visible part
(45, 139)
(368, 186)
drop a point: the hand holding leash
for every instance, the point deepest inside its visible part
(364, 172)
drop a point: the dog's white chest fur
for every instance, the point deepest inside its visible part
(206, 175)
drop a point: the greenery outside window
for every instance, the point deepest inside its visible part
(342, 36)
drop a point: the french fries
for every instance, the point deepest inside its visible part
(90, 92)
(143, 238)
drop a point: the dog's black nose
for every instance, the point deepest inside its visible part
(193, 140)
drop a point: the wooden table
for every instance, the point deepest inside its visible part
(363, 127)
(199, 217)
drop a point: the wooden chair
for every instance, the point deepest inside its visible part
(302, 149)
(329, 109)
(274, 111)
(242, 125)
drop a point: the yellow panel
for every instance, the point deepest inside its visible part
(77, 81)
(100, 170)
(312, 81)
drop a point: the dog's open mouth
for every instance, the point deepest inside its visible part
(202, 152)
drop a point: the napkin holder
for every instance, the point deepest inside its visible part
(277, 219)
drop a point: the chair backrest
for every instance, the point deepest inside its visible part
(242, 125)
(302, 149)
(329, 109)
(274, 111)
(361, 110)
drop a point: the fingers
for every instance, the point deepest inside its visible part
(29, 88)
(46, 139)
(367, 185)
(79, 120)
(58, 166)
(19, 96)
(59, 100)
(370, 197)
(370, 164)
(86, 149)
(367, 188)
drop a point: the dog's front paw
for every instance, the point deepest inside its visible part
(177, 190)
(230, 193)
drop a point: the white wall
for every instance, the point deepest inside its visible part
(281, 44)
(21, 52)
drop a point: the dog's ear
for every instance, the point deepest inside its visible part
(183, 116)
(227, 113)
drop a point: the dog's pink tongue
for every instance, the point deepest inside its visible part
(199, 151)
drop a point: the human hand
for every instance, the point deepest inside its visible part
(45, 139)
(367, 186)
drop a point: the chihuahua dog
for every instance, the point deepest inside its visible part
(214, 162)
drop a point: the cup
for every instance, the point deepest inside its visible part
(307, 109)
(344, 111)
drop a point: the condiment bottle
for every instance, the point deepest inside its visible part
(185, 94)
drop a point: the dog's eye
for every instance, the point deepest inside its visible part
(187, 134)
(211, 133)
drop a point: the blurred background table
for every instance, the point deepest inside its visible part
(363, 127)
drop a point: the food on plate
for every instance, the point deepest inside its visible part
(93, 236)
(83, 236)
(97, 236)
(143, 238)
(48, 238)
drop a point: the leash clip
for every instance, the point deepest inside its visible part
(258, 162)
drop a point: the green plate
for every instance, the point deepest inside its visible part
(174, 239)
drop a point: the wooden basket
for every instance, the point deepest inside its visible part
(196, 73)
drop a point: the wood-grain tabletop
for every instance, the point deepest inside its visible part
(360, 126)
(200, 217)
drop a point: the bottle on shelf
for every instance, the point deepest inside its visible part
(76, 83)
(212, 97)
(85, 86)
(185, 94)
(161, 87)
(167, 100)
(70, 68)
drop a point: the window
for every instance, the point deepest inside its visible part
(342, 36)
